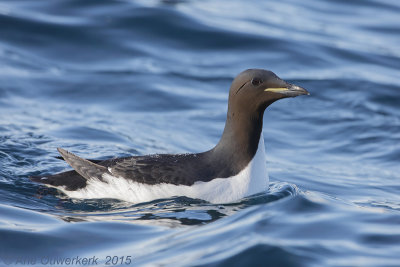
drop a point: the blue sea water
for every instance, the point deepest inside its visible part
(119, 78)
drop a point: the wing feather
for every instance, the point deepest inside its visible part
(85, 168)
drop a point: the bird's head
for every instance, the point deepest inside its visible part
(255, 89)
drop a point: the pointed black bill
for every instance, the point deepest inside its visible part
(289, 90)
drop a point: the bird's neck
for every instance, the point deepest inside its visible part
(240, 139)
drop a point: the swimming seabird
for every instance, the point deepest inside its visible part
(233, 169)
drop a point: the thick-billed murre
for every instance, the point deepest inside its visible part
(233, 169)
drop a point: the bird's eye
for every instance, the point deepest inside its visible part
(256, 81)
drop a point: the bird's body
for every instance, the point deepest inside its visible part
(252, 179)
(233, 169)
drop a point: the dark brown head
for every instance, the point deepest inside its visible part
(254, 90)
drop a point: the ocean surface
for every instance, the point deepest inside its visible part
(119, 78)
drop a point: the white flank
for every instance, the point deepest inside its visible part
(251, 180)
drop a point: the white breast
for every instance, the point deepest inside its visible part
(251, 180)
